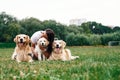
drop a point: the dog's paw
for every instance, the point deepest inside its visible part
(74, 57)
(14, 57)
(30, 60)
(18, 61)
(30, 54)
(77, 56)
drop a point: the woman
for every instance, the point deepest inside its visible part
(39, 34)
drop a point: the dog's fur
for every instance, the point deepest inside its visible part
(60, 53)
(22, 51)
(41, 48)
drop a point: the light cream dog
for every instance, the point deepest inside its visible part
(60, 53)
(41, 48)
(22, 51)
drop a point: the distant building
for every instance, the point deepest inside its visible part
(77, 21)
(110, 26)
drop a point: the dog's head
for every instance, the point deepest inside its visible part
(22, 39)
(58, 44)
(43, 42)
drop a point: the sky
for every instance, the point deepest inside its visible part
(106, 12)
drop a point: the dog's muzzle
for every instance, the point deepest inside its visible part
(30, 54)
(57, 46)
(42, 44)
(21, 40)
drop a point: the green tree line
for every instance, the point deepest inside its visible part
(89, 33)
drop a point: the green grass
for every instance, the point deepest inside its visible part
(95, 63)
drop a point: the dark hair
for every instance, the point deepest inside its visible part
(50, 34)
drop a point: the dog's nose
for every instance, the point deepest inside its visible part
(57, 46)
(42, 44)
(21, 40)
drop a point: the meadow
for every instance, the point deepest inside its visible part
(95, 63)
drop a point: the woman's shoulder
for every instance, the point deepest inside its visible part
(38, 32)
(36, 36)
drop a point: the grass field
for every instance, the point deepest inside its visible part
(95, 63)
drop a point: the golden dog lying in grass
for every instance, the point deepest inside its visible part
(60, 53)
(22, 51)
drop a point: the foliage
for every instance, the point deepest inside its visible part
(9, 27)
(98, 28)
(77, 40)
(105, 38)
(59, 29)
(30, 25)
(75, 29)
(88, 33)
(116, 28)
(95, 39)
(86, 27)
(7, 45)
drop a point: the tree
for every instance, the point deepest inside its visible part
(13, 29)
(59, 29)
(75, 29)
(30, 25)
(5, 31)
(98, 28)
(116, 28)
(86, 27)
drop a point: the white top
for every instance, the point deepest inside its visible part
(36, 36)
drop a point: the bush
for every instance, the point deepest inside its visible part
(91, 39)
(81, 40)
(114, 43)
(105, 38)
(69, 39)
(7, 45)
(76, 40)
(95, 40)
(116, 36)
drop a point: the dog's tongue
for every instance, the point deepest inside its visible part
(21, 44)
(57, 49)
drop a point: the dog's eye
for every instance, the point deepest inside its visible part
(18, 37)
(44, 41)
(24, 37)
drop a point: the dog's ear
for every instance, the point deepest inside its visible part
(15, 39)
(53, 44)
(64, 43)
(48, 42)
(28, 39)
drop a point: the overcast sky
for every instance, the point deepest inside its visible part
(106, 12)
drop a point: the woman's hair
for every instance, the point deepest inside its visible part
(50, 34)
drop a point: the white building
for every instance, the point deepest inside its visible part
(77, 21)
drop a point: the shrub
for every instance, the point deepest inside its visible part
(7, 45)
(76, 40)
(69, 39)
(116, 36)
(105, 38)
(81, 40)
(95, 40)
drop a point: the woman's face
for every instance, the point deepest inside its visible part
(43, 32)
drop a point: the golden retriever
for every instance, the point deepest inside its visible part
(41, 48)
(22, 51)
(60, 53)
